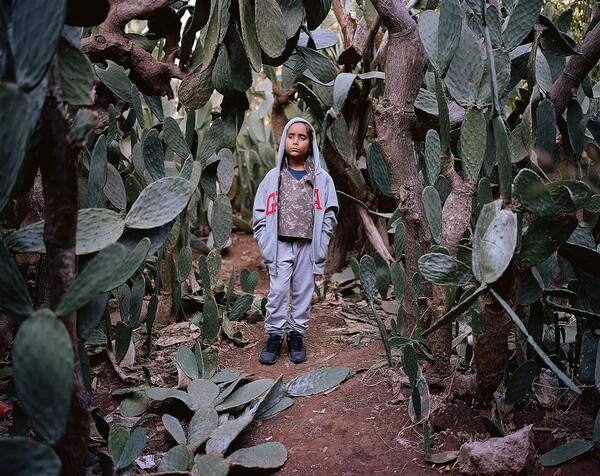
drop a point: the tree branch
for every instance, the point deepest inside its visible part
(150, 75)
(565, 86)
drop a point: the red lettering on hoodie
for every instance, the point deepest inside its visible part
(271, 206)
(317, 200)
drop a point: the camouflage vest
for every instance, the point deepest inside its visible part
(296, 202)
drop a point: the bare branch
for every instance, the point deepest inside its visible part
(565, 86)
(150, 75)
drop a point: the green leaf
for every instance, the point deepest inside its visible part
(92, 280)
(240, 306)
(221, 220)
(449, 32)
(473, 134)
(433, 211)
(213, 34)
(227, 432)
(520, 382)
(317, 381)
(42, 360)
(318, 64)
(465, 70)
(186, 360)
(129, 266)
(378, 168)
(159, 393)
(20, 456)
(76, 74)
(196, 88)
(409, 362)
(14, 295)
(316, 11)
(173, 426)
(269, 455)
(116, 79)
(133, 448)
(203, 391)
(432, 156)
(270, 27)
(211, 324)
(34, 32)
(214, 465)
(341, 87)
(178, 458)
(173, 136)
(543, 237)
(520, 22)
(428, 31)
(368, 277)
(245, 394)
(159, 203)
(249, 36)
(154, 157)
(566, 452)
(494, 242)
(13, 137)
(443, 270)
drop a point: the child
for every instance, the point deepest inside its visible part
(294, 217)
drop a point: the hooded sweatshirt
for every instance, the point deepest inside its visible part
(265, 216)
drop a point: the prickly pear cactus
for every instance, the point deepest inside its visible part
(43, 362)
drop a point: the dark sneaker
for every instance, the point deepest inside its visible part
(295, 347)
(270, 353)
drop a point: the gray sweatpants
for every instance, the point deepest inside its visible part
(294, 272)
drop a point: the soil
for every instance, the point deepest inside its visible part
(360, 427)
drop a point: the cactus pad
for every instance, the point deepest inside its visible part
(13, 136)
(221, 220)
(173, 136)
(444, 270)
(245, 394)
(317, 381)
(115, 78)
(154, 157)
(433, 211)
(269, 455)
(368, 277)
(42, 360)
(203, 391)
(533, 195)
(202, 424)
(494, 242)
(227, 432)
(21, 456)
(93, 279)
(35, 29)
(473, 134)
(178, 458)
(159, 203)
(14, 295)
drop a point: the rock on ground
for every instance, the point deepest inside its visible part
(510, 455)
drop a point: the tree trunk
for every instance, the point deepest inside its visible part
(490, 346)
(60, 181)
(395, 118)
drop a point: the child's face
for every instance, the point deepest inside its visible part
(297, 141)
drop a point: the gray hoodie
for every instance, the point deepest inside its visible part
(264, 220)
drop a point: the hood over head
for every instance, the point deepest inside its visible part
(315, 147)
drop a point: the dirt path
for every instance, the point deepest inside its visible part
(362, 426)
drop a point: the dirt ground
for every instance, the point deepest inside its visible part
(362, 426)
